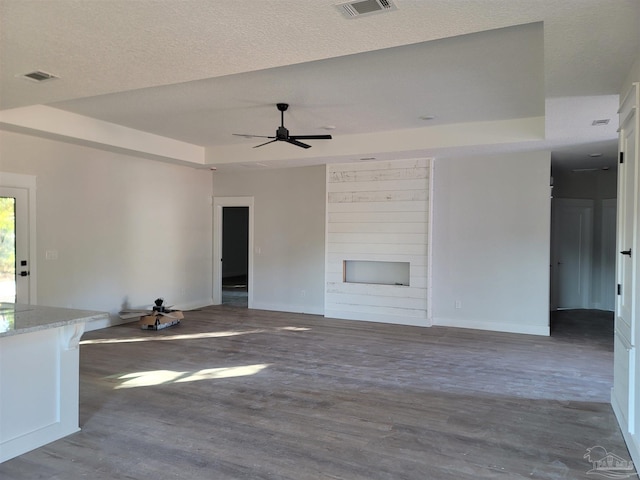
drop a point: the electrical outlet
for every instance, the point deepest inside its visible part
(458, 304)
(303, 293)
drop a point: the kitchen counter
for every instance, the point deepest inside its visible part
(39, 374)
(16, 319)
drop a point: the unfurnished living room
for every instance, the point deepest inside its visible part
(401, 235)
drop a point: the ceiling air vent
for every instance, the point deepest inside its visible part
(365, 7)
(597, 123)
(39, 76)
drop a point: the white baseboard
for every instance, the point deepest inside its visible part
(493, 326)
(185, 307)
(602, 306)
(281, 307)
(114, 319)
(379, 318)
(632, 441)
(104, 323)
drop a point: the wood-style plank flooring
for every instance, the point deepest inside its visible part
(233, 393)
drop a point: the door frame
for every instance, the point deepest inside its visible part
(218, 204)
(28, 183)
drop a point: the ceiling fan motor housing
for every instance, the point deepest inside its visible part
(282, 133)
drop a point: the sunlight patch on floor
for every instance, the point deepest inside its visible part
(164, 377)
(295, 329)
(165, 338)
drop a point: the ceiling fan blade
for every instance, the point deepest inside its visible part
(282, 133)
(266, 143)
(247, 135)
(310, 137)
(293, 141)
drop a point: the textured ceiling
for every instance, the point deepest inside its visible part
(200, 70)
(492, 75)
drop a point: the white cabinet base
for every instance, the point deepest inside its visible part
(39, 374)
(39, 378)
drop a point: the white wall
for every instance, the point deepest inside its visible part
(378, 211)
(632, 77)
(289, 218)
(491, 227)
(125, 229)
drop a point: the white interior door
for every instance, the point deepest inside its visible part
(15, 263)
(626, 232)
(626, 363)
(572, 234)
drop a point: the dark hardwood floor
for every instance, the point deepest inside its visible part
(233, 393)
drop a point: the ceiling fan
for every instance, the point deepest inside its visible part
(282, 133)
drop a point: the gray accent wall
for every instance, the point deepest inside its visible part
(289, 245)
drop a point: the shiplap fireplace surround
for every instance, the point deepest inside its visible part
(378, 212)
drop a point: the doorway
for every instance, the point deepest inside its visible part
(572, 232)
(235, 256)
(15, 261)
(583, 254)
(233, 262)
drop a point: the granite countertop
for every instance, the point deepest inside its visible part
(16, 319)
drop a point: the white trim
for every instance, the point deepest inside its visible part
(492, 326)
(432, 170)
(28, 182)
(49, 122)
(218, 203)
(632, 440)
(378, 318)
(290, 308)
(194, 305)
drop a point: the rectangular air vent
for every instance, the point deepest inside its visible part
(365, 7)
(39, 76)
(597, 123)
